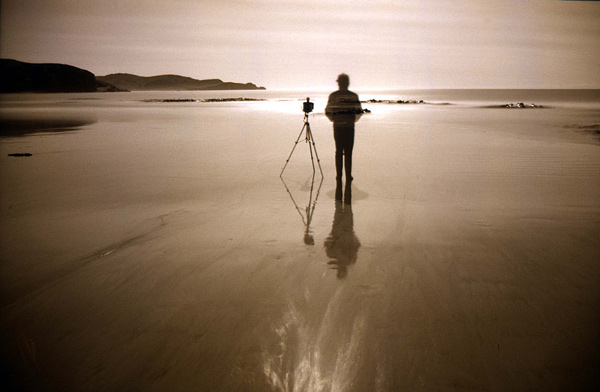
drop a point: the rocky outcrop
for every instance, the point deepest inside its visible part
(103, 87)
(17, 76)
(171, 82)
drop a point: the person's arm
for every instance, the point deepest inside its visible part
(329, 109)
(358, 108)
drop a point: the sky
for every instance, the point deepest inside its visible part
(301, 44)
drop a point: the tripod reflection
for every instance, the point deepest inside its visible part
(307, 213)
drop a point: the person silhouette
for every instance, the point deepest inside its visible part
(343, 109)
(342, 244)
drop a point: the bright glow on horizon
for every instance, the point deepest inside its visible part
(381, 44)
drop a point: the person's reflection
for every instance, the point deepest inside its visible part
(342, 244)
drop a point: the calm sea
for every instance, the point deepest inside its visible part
(451, 96)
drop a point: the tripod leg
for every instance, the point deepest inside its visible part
(312, 141)
(293, 148)
(310, 147)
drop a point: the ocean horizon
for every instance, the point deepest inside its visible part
(482, 98)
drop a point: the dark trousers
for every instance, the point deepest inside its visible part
(344, 143)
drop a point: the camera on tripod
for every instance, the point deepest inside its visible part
(308, 106)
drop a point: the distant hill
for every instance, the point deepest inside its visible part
(171, 82)
(17, 76)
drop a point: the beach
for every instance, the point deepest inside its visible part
(152, 245)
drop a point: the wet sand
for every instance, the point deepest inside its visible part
(157, 248)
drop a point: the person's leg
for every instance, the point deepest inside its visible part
(348, 147)
(339, 153)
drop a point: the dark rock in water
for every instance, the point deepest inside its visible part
(17, 76)
(521, 105)
(21, 154)
(400, 101)
(171, 83)
(350, 111)
(205, 100)
(232, 99)
(415, 101)
(170, 100)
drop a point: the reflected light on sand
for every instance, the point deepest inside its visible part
(288, 106)
(314, 354)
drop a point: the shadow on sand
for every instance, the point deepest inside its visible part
(16, 127)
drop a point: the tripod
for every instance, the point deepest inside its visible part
(311, 144)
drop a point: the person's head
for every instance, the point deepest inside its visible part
(343, 81)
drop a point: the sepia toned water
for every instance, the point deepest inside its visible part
(152, 245)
